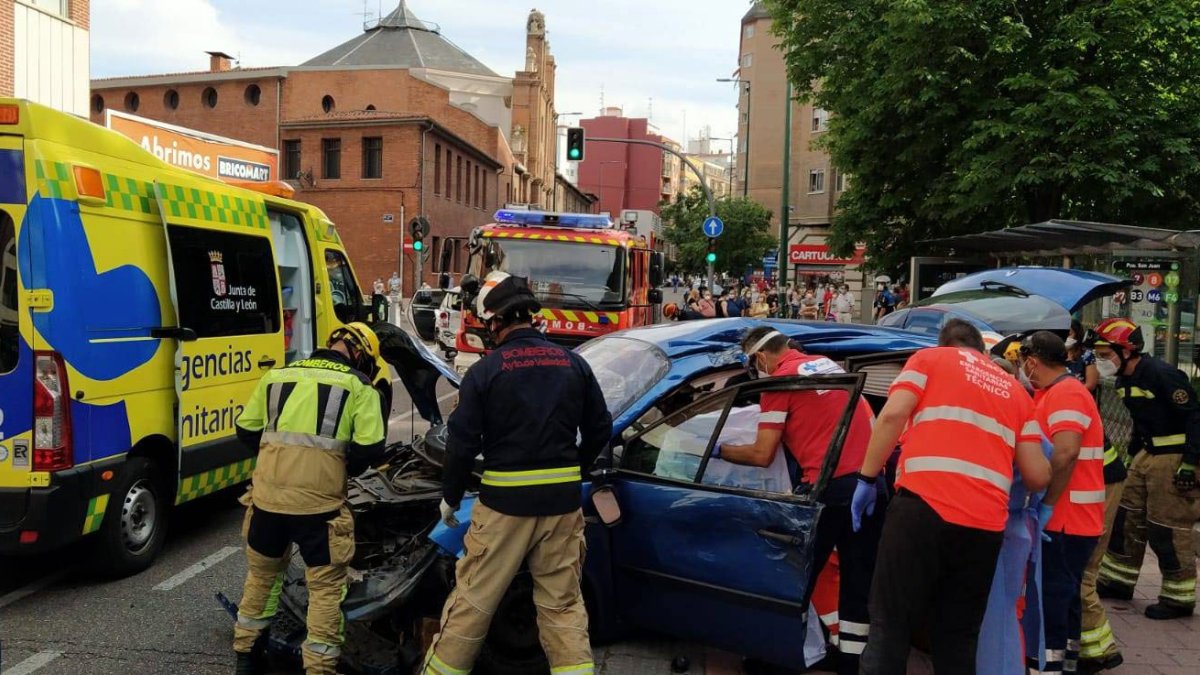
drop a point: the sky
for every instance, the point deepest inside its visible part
(655, 58)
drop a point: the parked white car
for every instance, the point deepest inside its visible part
(447, 320)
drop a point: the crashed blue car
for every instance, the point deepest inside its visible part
(702, 550)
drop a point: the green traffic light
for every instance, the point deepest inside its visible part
(574, 153)
(711, 258)
(418, 245)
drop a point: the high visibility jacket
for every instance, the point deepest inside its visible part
(535, 412)
(958, 449)
(1067, 406)
(308, 420)
(1166, 415)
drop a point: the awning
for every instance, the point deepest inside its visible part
(1071, 237)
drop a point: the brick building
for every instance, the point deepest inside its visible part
(627, 176)
(393, 123)
(44, 52)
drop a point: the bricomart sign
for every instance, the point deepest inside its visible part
(224, 158)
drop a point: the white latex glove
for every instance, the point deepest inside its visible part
(448, 514)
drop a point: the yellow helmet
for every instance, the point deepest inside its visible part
(360, 336)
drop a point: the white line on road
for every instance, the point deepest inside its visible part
(33, 587)
(32, 663)
(197, 568)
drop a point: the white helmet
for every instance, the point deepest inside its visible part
(489, 284)
(502, 293)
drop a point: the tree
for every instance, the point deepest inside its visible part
(957, 117)
(746, 238)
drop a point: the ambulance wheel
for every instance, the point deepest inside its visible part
(135, 524)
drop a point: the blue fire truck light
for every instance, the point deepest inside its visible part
(587, 221)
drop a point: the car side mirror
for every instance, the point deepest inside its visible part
(604, 500)
(655, 296)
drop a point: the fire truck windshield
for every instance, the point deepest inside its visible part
(566, 274)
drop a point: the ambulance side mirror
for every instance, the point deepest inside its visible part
(655, 296)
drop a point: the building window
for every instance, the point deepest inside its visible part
(132, 101)
(483, 192)
(478, 185)
(748, 31)
(820, 119)
(331, 158)
(370, 106)
(171, 99)
(58, 7)
(97, 103)
(372, 157)
(437, 168)
(458, 179)
(253, 95)
(470, 184)
(291, 159)
(449, 171)
(841, 182)
(209, 97)
(747, 60)
(816, 181)
(327, 103)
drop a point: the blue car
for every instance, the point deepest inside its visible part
(703, 550)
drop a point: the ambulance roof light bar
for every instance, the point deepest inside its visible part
(587, 221)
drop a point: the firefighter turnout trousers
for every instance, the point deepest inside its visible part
(1153, 510)
(1096, 641)
(496, 545)
(326, 544)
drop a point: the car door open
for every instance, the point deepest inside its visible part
(727, 549)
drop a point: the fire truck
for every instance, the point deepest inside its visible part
(590, 276)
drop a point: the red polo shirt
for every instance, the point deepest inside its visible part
(809, 418)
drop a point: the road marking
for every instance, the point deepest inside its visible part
(182, 577)
(31, 588)
(404, 416)
(32, 663)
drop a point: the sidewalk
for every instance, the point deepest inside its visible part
(1149, 647)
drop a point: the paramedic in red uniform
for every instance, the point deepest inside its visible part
(1072, 512)
(961, 422)
(805, 422)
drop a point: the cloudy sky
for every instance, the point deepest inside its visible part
(656, 57)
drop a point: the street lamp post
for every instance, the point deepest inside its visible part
(746, 136)
(781, 261)
(554, 178)
(731, 155)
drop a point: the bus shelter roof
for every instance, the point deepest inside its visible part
(1071, 237)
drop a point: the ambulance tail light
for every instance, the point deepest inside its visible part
(10, 114)
(51, 414)
(444, 319)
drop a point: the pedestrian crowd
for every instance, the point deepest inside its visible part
(985, 511)
(761, 299)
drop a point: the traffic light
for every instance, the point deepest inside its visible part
(575, 144)
(418, 227)
(712, 251)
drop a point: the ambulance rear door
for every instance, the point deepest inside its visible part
(229, 326)
(16, 355)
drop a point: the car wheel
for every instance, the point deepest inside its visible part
(135, 523)
(512, 646)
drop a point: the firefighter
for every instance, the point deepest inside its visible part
(961, 423)
(1160, 504)
(522, 407)
(313, 423)
(1071, 513)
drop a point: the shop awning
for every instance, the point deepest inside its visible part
(1070, 237)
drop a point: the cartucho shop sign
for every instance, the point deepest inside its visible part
(224, 158)
(818, 254)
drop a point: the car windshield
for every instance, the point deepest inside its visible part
(626, 369)
(566, 274)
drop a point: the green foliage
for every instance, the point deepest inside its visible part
(957, 117)
(746, 238)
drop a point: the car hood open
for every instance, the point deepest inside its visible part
(1070, 288)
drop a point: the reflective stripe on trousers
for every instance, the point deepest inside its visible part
(535, 477)
(1095, 643)
(958, 466)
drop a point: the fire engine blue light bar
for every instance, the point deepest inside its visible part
(588, 221)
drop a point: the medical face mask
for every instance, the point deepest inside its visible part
(1024, 377)
(1106, 368)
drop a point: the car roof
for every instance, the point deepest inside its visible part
(714, 335)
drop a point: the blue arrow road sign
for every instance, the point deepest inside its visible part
(713, 227)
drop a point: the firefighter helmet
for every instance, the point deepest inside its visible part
(503, 293)
(670, 310)
(360, 336)
(1117, 332)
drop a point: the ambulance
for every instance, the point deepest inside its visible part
(139, 305)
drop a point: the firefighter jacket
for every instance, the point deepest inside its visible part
(1166, 415)
(535, 413)
(310, 421)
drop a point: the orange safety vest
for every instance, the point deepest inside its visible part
(1067, 405)
(957, 451)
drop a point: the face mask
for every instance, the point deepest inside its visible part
(1026, 380)
(1070, 342)
(1107, 368)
